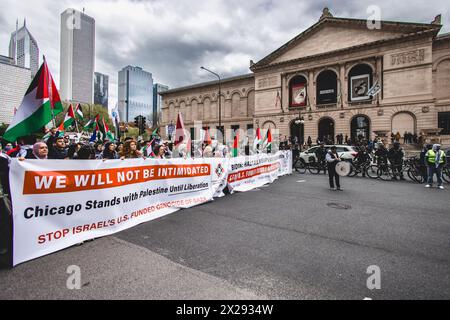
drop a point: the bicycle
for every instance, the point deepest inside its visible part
(314, 167)
(413, 168)
(446, 174)
(357, 168)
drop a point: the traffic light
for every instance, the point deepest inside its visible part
(136, 121)
(142, 125)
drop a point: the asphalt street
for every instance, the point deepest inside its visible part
(294, 239)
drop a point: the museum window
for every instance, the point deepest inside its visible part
(298, 92)
(235, 128)
(327, 87)
(360, 80)
(444, 122)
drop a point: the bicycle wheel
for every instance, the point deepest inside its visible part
(314, 167)
(385, 173)
(372, 171)
(446, 174)
(415, 175)
(353, 170)
(300, 166)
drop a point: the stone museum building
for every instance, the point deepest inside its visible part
(338, 77)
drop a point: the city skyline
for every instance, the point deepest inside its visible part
(173, 52)
(77, 59)
(24, 49)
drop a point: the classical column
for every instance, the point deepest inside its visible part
(311, 91)
(344, 87)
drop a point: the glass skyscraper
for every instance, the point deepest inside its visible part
(135, 96)
(157, 103)
(24, 50)
(77, 57)
(101, 89)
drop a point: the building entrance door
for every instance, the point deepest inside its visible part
(326, 131)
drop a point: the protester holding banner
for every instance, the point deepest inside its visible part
(40, 151)
(110, 152)
(130, 150)
(59, 150)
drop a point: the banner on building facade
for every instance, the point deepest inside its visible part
(360, 87)
(298, 95)
(55, 207)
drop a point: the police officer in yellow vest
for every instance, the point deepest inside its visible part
(435, 160)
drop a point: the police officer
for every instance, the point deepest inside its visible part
(321, 153)
(436, 159)
(395, 156)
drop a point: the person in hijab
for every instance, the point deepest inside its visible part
(40, 151)
(110, 152)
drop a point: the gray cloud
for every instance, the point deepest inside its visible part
(172, 39)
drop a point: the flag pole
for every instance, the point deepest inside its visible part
(50, 92)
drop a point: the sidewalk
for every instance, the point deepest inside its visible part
(114, 269)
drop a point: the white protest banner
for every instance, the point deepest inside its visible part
(219, 173)
(247, 173)
(57, 204)
(285, 159)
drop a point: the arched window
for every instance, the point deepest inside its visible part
(327, 87)
(403, 122)
(360, 80)
(326, 130)
(297, 92)
(360, 128)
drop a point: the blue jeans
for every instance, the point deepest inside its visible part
(433, 170)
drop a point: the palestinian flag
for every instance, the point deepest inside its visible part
(148, 150)
(268, 141)
(39, 105)
(235, 150)
(257, 140)
(207, 140)
(69, 119)
(155, 134)
(79, 112)
(179, 133)
(96, 133)
(107, 132)
(92, 124)
(189, 148)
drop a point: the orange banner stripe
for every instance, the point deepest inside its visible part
(47, 182)
(250, 173)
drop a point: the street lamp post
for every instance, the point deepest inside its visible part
(220, 102)
(300, 122)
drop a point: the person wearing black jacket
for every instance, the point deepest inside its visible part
(395, 156)
(423, 162)
(321, 153)
(362, 158)
(5, 213)
(58, 151)
(332, 159)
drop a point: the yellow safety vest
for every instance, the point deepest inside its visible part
(431, 156)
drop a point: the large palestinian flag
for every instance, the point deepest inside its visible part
(35, 112)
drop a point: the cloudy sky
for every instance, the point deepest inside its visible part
(173, 38)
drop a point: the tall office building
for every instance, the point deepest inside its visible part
(101, 89)
(24, 50)
(157, 103)
(14, 82)
(77, 56)
(135, 94)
